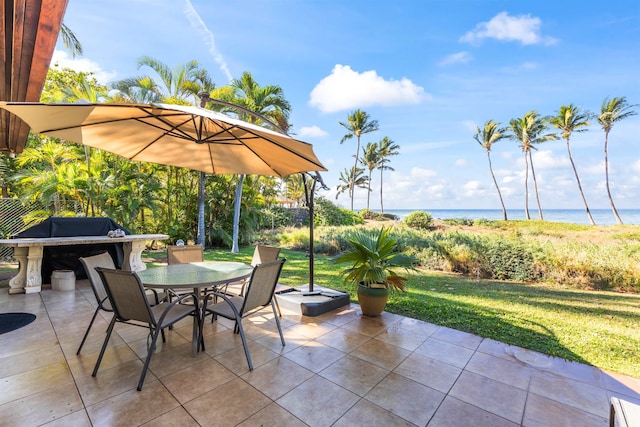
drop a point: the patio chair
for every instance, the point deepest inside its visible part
(104, 260)
(259, 294)
(89, 264)
(261, 254)
(182, 254)
(130, 305)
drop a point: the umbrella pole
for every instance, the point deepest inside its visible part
(200, 237)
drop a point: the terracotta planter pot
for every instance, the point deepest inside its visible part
(372, 300)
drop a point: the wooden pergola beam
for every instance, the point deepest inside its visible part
(28, 33)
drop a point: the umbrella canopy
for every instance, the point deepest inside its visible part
(175, 135)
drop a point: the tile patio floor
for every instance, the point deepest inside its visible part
(338, 369)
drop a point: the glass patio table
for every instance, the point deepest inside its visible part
(196, 276)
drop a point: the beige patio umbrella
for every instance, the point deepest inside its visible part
(175, 135)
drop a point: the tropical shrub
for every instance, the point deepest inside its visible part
(419, 219)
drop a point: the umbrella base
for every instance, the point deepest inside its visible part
(322, 300)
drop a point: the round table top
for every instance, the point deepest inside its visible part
(195, 274)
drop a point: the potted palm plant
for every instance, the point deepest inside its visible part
(374, 261)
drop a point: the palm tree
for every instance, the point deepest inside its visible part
(178, 85)
(529, 131)
(491, 133)
(70, 41)
(358, 123)
(570, 119)
(351, 179)
(386, 149)
(613, 110)
(267, 101)
(370, 159)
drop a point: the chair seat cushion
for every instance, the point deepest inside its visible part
(223, 309)
(177, 312)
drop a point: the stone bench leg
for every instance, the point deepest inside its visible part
(29, 278)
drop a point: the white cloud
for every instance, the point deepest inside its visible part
(62, 60)
(456, 58)
(461, 162)
(312, 132)
(635, 166)
(523, 28)
(545, 159)
(207, 37)
(470, 125)
(346, 89)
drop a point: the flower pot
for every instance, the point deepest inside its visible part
(372, 300)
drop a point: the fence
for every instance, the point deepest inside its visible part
(16, 216)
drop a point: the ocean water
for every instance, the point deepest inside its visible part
(574, 216)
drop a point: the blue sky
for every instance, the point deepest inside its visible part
(429, 71)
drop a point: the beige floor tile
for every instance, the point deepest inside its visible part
(401, 337)
(456, 413)
(365, 413)
(343, 339)
(227, 405)
(385, 355)
(175, 418)
(406, 398)
(133, 407)
(342, 316)
(272, 415)
(515, 374)
(575, 371)
(196, 379)
(453, 336)
(430, 372)
(111, 382)
(585, 397)
(292, 340)
(622, 384)
(312, 330)
(493, 396)
(236, 361)
(169, 360)
(542, 412)
(277, 377)
(221, 342)
(83, 364)
(443, 351)
(354, 374)
(76, 419)
(314, 356)
(34, 381)
(41, 407)
(318, 402)
(418, 326)
(371, 326)
(27, 361)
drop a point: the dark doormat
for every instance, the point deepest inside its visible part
(12, 321)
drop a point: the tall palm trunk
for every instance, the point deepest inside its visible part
(353, 174)
(575, 171)
(504, 210)
(369, 189)
(381, 204)
(236, 215)
(526, 187)
(535, 186)
(606, 173)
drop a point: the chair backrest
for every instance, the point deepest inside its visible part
(90, 263)
(262, 285)
(263, 254)
(127, 295)
(184, 254)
